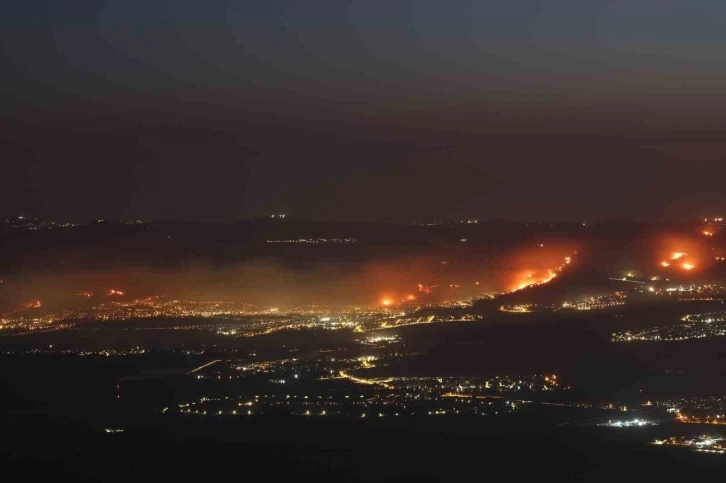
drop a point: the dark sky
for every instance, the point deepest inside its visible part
(363, 110)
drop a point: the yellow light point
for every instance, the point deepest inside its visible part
(688, 266)
(707, 233)
(665, 264)
(411, 298)
(386, 302)
(678, 255)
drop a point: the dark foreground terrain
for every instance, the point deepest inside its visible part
(55, 414)
(284, 448)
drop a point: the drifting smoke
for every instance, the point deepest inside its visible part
(421, 279)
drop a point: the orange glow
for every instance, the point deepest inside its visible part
(386, 302)
(530, 279)
(33, 304)
(687, 253)
(707, 233)
(426, 289)
(85, 294)
(115, 292)
(665, 264)
(411, 298)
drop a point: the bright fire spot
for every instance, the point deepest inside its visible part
(386, 302)
(678, 255)
(411, 298)
(33, 304)
(530, 280)
(707, 233)
(115, 292)
(426, 289)
(688, 266)
(665, 264)
(85, 294)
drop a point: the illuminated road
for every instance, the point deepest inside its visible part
(359, 380)
(205, 365)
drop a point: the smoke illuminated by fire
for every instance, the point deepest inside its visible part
(539, 275)
(530, 279)
(416, 280)
(683, 253)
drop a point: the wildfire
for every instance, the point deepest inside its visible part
(427, 289)
(114, 292)
(529, 280)
(707, 233)
(33, 304)
(679, 256)
(85, 294)
(386, 302)
(411, 298)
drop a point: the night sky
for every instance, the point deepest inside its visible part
(363, 110)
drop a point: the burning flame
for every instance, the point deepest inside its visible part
(682, 257)
(529, 280)
(115, 292)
